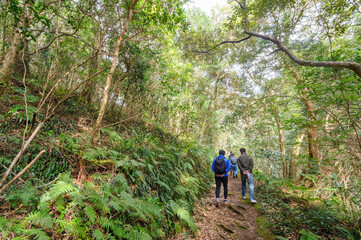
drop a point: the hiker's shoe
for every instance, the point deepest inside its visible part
(244, 197)
(253, 201)
(225, 201)
(236, 176)
(217, 204)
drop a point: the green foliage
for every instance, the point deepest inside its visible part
(36, 233)
(21, 113)
(304, 235)
(292, 208)
(136, 201)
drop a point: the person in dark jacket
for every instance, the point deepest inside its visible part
(245, 165)
(233, 160)
(221, 177)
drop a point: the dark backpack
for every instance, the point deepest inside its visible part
(220, 165)
(233, 159)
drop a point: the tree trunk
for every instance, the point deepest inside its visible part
(111, 71)
(295, 154)
(281, 139)
(11, 56)
(312, 125)
(311, 130)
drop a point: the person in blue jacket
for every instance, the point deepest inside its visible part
(221, 167)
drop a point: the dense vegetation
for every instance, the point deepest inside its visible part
(111, 111)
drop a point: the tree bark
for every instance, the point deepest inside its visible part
(11, 56)
(22, 171)
(311, 130)
(111, 71)
(281, 139)
(16, 159)
(295, 154)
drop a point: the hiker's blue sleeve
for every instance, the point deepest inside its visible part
(228, 166)
(213, 165)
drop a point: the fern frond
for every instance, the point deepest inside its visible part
(61, 188)
(181, 190)
(98, 235)
(73, 226)
(139, 234)
(163, 184)
(36, 233)
(90, 213)
(41, 219)
(150, 209)
(99, 202)
(183, 215)
(77, 198)
(115, 205)
(107, 223)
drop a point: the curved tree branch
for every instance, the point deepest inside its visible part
(224, 42)
(349, 65)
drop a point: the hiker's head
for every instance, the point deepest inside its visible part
(222, 152)
(242, 150)
(231, 153)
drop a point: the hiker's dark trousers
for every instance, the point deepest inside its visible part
(219, 181)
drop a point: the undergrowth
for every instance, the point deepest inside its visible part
(295, 212)
(137, 183)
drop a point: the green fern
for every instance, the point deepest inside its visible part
(163, 184)
(150, 209)
(27, 194)
(98, 235)
(37, 233)
(98, 201)
(182, 191)
(57, 190)
(73, 226)
(139, 234)
(183, 215)
(5, 226)
(61, 188)
(41, 219)
(90, 213)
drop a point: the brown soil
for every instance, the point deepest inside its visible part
(235, 220)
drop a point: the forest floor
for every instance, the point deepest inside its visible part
(235, 220)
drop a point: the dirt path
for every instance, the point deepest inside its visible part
(235, 220)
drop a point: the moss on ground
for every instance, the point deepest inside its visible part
(262, 229)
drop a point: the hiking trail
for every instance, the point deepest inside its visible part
(235, 220)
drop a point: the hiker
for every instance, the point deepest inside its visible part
(221, 167)
(245, 165)
(233, 161)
